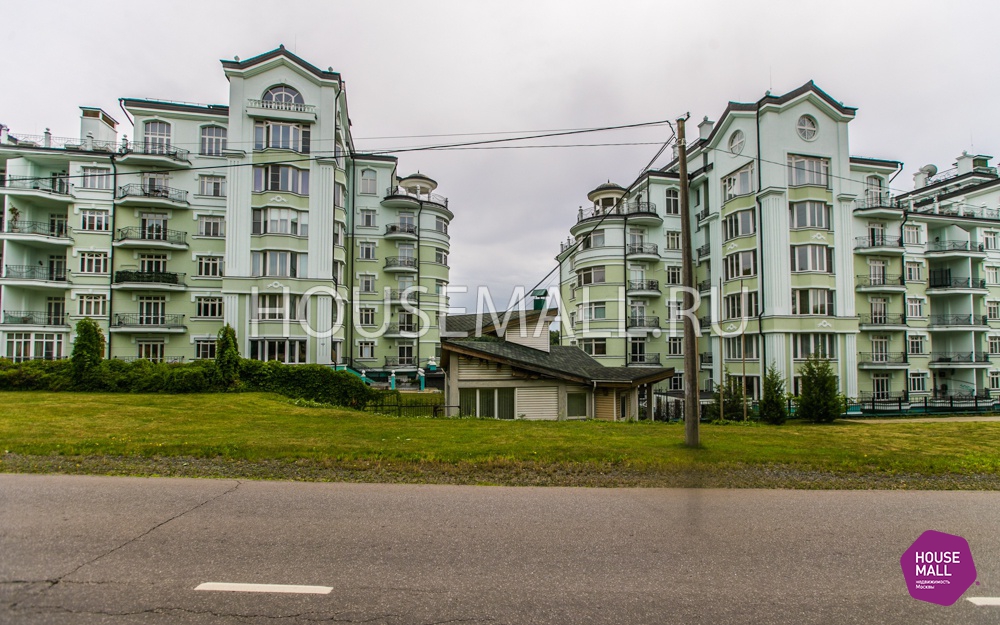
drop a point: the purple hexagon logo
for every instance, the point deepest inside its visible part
(938, 567)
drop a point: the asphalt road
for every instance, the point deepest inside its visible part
(80, 550)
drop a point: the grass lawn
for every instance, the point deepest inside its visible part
(60, 431)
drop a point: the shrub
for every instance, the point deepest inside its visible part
(772, 403)
(88, 351)
(36, 375)
(227, 357)
(819, 399)
(732, 400)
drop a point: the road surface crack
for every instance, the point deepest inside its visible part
(334, 618)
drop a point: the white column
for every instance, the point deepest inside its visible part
(849, 366)
(324, 319)
(321, 221)
(777, 295)
(844, 258)
(239, 217)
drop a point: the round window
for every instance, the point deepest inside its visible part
(736, 141)
(807, 127)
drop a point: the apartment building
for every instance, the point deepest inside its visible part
(802, 249)
(258, 213)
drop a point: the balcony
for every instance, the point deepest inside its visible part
(158, 152)
(644, 359)
(876, 202)
(45, 232)
(883, 321)
(705, 360)
(34, 318)
(703, 214)
(643, 288)
(142, 322)
(642, 251)
(402, 197)
(398, 296)
(637, 212)
(705, 285)
(36, 275)
(51, 190)
(704, 250)
(957, 322)
(401, 264)
(947, 283)
(152, 195)
(967, 359)
(401, 231)
(643, 323)
(878, 244)
(149, 280)
(950, 213)
(287, 111)
(705, 322)
(888, 282)
(960, 249)
(151, 237)
(401, 330)
(403, 362)
(882, 360)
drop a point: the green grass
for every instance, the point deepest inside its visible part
(256, 427)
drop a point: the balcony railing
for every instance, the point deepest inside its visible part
(643, 285)
(148, 277)
(125, 320)
(154, 191)
(893, 319)
(644, 322)
(61, 143)
(158, 148)
(958, 320)
(881, 200)
(945, 282)
(644, 359)
(960, 357)
(881, 240)
(882, 357)
(705, 285)
(425, 197)
(399, 295)
(58, 186)
(401, 229)
(398, 328)
(401, 261)
(704, 250)
(35, 272)
(34, 318)
(954, 246)
(642, 248)
(705, 322)
(274, 105)
(946, 210)
(703, 214)
(44, 228)
(134, 233)
(706, 358)
(887, 279)
(400, 361)
(631, 208)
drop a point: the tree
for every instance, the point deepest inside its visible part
(227, 357)
(819, 399)
(772, 403)
(88, 349)
(732, 399)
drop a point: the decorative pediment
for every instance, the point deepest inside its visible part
(276, 285)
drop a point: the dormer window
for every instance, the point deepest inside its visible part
(156, 136)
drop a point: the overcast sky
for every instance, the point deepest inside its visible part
(922, 74)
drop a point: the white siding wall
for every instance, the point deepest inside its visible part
(474, 369)
(537, 403)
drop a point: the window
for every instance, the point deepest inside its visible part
(94, 220)
(675, 346)
(805, 170)
(440, 256)
(591, 275)
(152, 310)
(914, 307)
(210, 266)
(150, 350)
(214, 186)
(366, 283)
(915, 344)
(993, 345)
(213, 140)
(281, 94)
(911, 234)
(992, 275)
(740, 264)
(993, 311)
(367, 251)
(441, 225)
(591, 311)
(275, 307)
(93, 305)
(369, 182)
(807, 127)
(576, 405)
(812, 302)
(209, 307)
(821, 345)
(994, 379)
(204, 349)
(280, 221)
(736, 142)
(990, 239)
(738, 224)
(93, 262)
(156, 184)
(288, 351)
(156, 137)
(809, 215)
(282, 136)
(281, 178)
(366, 350)
(594, 347)
(673, 240)
(368, 218)
(812, 258)
(740, 182)
(278, 264)
(676, 383)
(738, 305)
(734, 347)
(673, 273)
(880, 385)
(673, 311)
(211, 227)
(673, 202)
(366, 316)
(96, 178)
(593, 239)
(913, 272)
(918, 382)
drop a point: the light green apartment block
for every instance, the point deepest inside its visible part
(259, 213)
(801, 248)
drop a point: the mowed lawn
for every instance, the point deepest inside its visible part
(255, 427)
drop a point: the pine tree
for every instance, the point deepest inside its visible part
(819, 399)
(772, 404)
(88, 349)
(227, 357)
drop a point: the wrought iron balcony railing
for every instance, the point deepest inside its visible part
(881, 240)
(883, 319)
(34, 318)
(398, 328)
(706, 358)
(400, 361)
(396, 191)
(153, 191)
(158, 148)
(35, 272)
(947, 282)
(401, 261)
(642, 248)
(401, 229)
(881, 200)
(644, 359)
(643, 285)
(960, 357)
(124, 320)
(954, 246)
(644, 322)
(958, 320)
(148, 277)
(882, 357)
(57, 185)
(886, 279)
(139, 233)
(704, 250)
(44, 228)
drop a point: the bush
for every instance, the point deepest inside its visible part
(227, 357)
(732, 400)
(36, 375)
(819, 399)
(772, 403)
(88, 351)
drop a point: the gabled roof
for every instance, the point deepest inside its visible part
(468, 323)
(280, 51)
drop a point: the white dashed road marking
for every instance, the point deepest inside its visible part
(285, 588)
(985, 600)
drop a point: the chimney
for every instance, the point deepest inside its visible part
(95, 123)
(964, 163)
(705, 128)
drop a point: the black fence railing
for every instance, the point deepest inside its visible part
(954, 246)
(642, 248)
(400, 361)
(56, 185)
(948, 282)
(704, 250)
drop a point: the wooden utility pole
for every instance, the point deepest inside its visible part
(691, 403)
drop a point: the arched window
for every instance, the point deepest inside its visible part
(874, 188)
(156, 136)
(673, 202)
(368, 181)
(213, 140)
(282, 95)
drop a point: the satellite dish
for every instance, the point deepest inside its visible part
(930, 170)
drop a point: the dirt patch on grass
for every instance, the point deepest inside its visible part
(505, 473)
